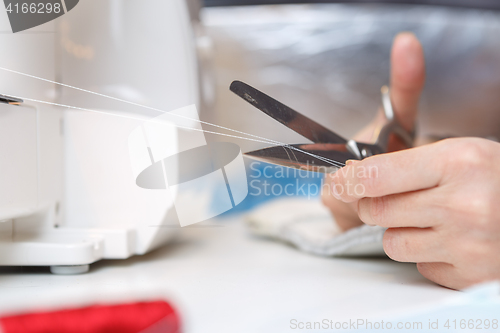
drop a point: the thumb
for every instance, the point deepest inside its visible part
(407, 77)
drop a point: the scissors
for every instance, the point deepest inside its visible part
(329, 151)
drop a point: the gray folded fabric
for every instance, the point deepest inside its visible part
(309, 226)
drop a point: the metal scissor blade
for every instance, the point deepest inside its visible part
(303, 156)
(285, 115)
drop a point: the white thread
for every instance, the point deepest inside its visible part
(324, 159)
(135, 104)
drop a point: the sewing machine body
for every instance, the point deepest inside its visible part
(67, 195)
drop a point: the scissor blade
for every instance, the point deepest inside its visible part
(286, 115)
(319, 157)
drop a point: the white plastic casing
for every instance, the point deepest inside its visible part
(73, 195)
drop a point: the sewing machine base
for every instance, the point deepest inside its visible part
(65, 250)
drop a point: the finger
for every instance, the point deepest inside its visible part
(442, 273)
(414, 245)
(402, 171)
(407, 77)
(421, 209)
(345, 215)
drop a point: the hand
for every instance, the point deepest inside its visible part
(440, 203)
(407, 81)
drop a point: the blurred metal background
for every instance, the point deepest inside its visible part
(329, 61)
(483, 4)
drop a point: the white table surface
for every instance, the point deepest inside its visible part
(222, 279)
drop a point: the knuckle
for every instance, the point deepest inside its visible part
(378, 210)
(471, 154)
(475, 211)
(480, 209)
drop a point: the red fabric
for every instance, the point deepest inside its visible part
(157, 316)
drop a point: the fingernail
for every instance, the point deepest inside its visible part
(351, 162)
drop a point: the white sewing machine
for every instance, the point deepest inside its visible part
(67, 198)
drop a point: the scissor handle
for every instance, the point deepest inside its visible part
(363, 150)
(392, 126)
